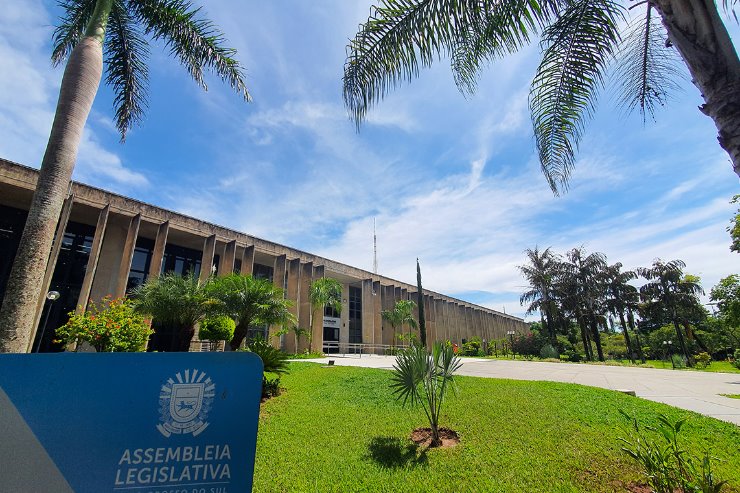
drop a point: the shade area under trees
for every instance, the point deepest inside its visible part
(595, 310)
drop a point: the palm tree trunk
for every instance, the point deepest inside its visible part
(240, 332)
(631, 321)
(697, 31)
(584, 337)
(597, 336)
(80, 83)
(627, 340)
(79, 86)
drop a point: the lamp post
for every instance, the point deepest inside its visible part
(51, 297)
(667, 350)
(511, 333)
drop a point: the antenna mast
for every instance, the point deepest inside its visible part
(375, 250)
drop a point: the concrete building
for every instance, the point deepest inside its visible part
(110, 243)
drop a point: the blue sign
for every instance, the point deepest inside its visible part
(129, 422)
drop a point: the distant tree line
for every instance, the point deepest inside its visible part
(581, 298)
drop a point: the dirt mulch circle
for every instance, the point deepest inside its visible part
(423, 437)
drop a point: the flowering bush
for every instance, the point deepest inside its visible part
(110, 326)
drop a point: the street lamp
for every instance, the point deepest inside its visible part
(511, 333)
(51, 297)
(668, 349)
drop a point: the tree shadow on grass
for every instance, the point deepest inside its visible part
(395, 453)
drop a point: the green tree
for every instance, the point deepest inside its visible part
(93, 32)
(249, 301)
(402, 314)
(324, 292)
(173, 300)
(420, 302)
(734, 228)
(726, 294)
(113, 326)
(668, 288)
(540, 273)
(578, 38)
(620, 296)
(423, 378)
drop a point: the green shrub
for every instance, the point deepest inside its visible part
(112, 326)
(528, 345)
(274, 360)
(703, 360)
(217, 329)
(549, 352)
(270, 387)
(473, 347)
(736, 361)
(679, 361)
(667, 464)
(573, 356)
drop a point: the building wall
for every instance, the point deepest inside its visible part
(447, 318)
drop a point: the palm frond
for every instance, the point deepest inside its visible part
(647, 71)
(504, 27)
(127, 73)
(578, 46)
(399, 38)
(68, 33)
(195, 41)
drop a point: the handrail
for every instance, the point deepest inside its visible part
(359, 348)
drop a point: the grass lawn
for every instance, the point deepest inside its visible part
(715, 367)
(732, 396)
(338, 429)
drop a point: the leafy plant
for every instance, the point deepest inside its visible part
(423, 378)
(678, 361)
(703, 360)
(548, 351)
(473, 347)
(216, 329)
(274, 362)
(668, 466)
(111, 326)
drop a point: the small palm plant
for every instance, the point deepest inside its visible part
(423, 378)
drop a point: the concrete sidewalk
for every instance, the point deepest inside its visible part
(691, 390)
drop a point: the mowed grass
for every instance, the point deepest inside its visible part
(339, 429)
(714, 367)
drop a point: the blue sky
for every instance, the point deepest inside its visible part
(450, 180)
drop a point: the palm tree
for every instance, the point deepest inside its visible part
(249, 301)
(420, 377)
(620, 295)
(668, 287)
(324, 292)
(579, 39)
(87, 30)
(402, 314)
(584, 274)
(541, 273)
(173, 300)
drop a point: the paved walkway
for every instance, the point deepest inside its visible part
(692, 390)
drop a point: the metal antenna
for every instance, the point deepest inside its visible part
(375, 250)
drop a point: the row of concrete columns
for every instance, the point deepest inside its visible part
(445, 319)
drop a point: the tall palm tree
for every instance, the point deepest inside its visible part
(619, 295)
(324, 292)
(579, 39)
(94, 33)
(173, 300)
(541, 273)
(668, 287)
(402, 314)
(249, 301)
(584, 274)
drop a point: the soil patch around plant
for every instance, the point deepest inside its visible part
(423, 437)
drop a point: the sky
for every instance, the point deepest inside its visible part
(452, 180)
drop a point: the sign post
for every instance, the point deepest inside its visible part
(129, 422)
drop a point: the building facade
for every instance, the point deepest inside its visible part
(106, 244)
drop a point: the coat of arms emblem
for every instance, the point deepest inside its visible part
(184, 403)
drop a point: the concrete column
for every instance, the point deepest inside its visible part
(344, 316)
(278, 280)
(206, 259)
(304, 303)
(247, 261)
(292, 294)
(432, 328)
(51, 265)
(226, 263)
(387, 305)
(368, 320)
(127, 255)
(317, 322)
(92, 261)
(404, 296)
(377, 317)
(155, 266)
